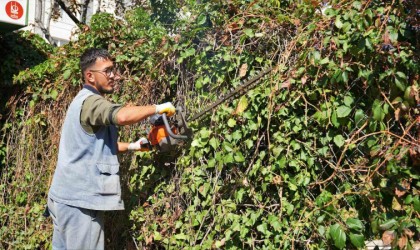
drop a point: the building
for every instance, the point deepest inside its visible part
(13, 15)
(46, 18)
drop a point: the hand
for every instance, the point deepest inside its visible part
(166, 107)
(141, 145)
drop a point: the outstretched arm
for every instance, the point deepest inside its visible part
(134, 114)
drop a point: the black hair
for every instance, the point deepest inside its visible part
(88, 58)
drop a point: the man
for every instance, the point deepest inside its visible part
(86, 180)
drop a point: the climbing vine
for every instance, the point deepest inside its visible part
(322, 154)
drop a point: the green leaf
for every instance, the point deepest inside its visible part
(416, 204)
(204, 133)
(249, 143)
(338, 236)
(187, 53)
(339, 140)
(324, 61)
(227, 146)
(242, 105)
(219, 243)
(355, 224)
(181, 236)
(359, 117)
(201, 19)
(244, 231)
(321, 230)
(368, 43)
(385, 108)
(231, 123)
(388, 224)
(345, 76)
(66, 74)
(348, 100)
(249, 32)
(54, 94)
(227, 57)
(357, 5)
(157, 236)
(320, 219)
(263, 228)
(338, 22)
(358, 240)
(343, 111)
(190, 52)
(367, 33)
(239, 157)
(400, 83)
(195, 143)
(334, 119)
(292, 186)
(274, 222)
(228, 158)
(237, 135)
(346, 27)
(198, 85)
(393, 35)
(316, 55)
(213, 143)
(211, 163)
(239, 194)
(378, 113)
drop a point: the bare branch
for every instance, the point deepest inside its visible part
(69, 13)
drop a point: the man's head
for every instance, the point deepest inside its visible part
(98, 70)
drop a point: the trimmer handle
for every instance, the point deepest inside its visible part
(168, 128)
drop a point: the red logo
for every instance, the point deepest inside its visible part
(14, 10)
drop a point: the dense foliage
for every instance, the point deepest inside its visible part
(19, 51)
(323, 153)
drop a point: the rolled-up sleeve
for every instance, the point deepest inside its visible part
(96, 112)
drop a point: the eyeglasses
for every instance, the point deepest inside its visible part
(108, 71)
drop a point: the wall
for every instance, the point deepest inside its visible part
(63, 28)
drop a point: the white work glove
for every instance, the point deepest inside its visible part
(166, 107)
(140, 145)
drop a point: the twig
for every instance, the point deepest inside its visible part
(393, 148)
(341, 156)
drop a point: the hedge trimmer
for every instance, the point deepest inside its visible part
(164, 136)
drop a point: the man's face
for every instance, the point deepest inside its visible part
(102, 76)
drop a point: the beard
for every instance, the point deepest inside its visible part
(103, 90)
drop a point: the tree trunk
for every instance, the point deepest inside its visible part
(44, 25)
(99, 6)
(84, 11)
(38, 13)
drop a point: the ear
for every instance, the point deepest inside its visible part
(89, 77)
